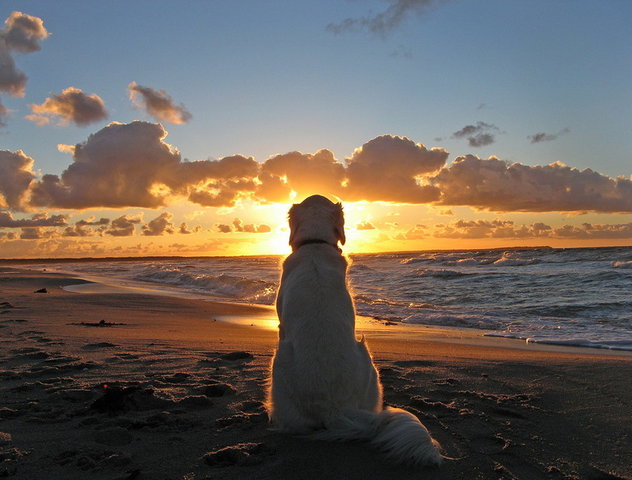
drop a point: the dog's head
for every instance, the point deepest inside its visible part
(316, 218)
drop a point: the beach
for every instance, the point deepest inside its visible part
(136, 386)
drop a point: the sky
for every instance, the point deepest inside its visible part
(190, 128)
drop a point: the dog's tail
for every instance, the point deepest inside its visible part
(396, 432)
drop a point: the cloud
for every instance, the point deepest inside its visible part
(477, 229)
(391, 169)
(384, 22)
(250, 228)
(489, 229)
(239, 226)
(365, 226)
(36, 233)
(4, 113)
(185, 230)
(546, 137)
(71, 106)
(479, 135)
(303, 173)
(591, 231)
(158, 104)
(16, 176)
(159, 225)
(93, 221)
(129, 165)
(418, 232)
(37, 220)
(496, 185)
(77, 231)
(22, 34)
(123, 226)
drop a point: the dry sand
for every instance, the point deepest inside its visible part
(128, 386)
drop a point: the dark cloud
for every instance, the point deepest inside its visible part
(158, 104)
(16, 176)
(36, 233)
(494, 184)
(8, 235)
(22, 34)
(250, 228)
(239, 226)
(185, 229)
(37, 220)
(479, 135)
(77, 231)
(384, 22)
(546, 137)
(390, 169)
(93, 221)
(592, 231)
(70, 106)
(123, 226)
(4, 113)
(223, 228)
(476, 229)
(160, 225)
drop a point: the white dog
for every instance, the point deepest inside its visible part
(324, 383)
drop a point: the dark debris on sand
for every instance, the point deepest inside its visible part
(99, 324)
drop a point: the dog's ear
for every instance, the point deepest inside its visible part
(340, 224)
(293, 220)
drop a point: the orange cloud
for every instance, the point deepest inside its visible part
(158, 104)
(390, 169)
(71, 106)
(303, 173)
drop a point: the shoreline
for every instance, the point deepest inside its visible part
(265, 318)
(135, 386)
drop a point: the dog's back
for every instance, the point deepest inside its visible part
(319, 364)
(323, 380)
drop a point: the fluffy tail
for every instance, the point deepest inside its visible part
(396, 432)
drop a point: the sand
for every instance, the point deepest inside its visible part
(136, 386)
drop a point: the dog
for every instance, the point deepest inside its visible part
(324, 384)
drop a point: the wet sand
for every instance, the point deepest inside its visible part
(137, 386)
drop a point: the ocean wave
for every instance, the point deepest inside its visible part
(455, 319)
(439, 273)
(511, 261)
(622, 264)
(624, 344)
(414, 260)
(573, 310)
(223, 285)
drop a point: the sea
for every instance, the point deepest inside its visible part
(579, 297)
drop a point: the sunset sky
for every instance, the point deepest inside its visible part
(189, 128)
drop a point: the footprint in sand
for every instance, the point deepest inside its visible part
(243, 454)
